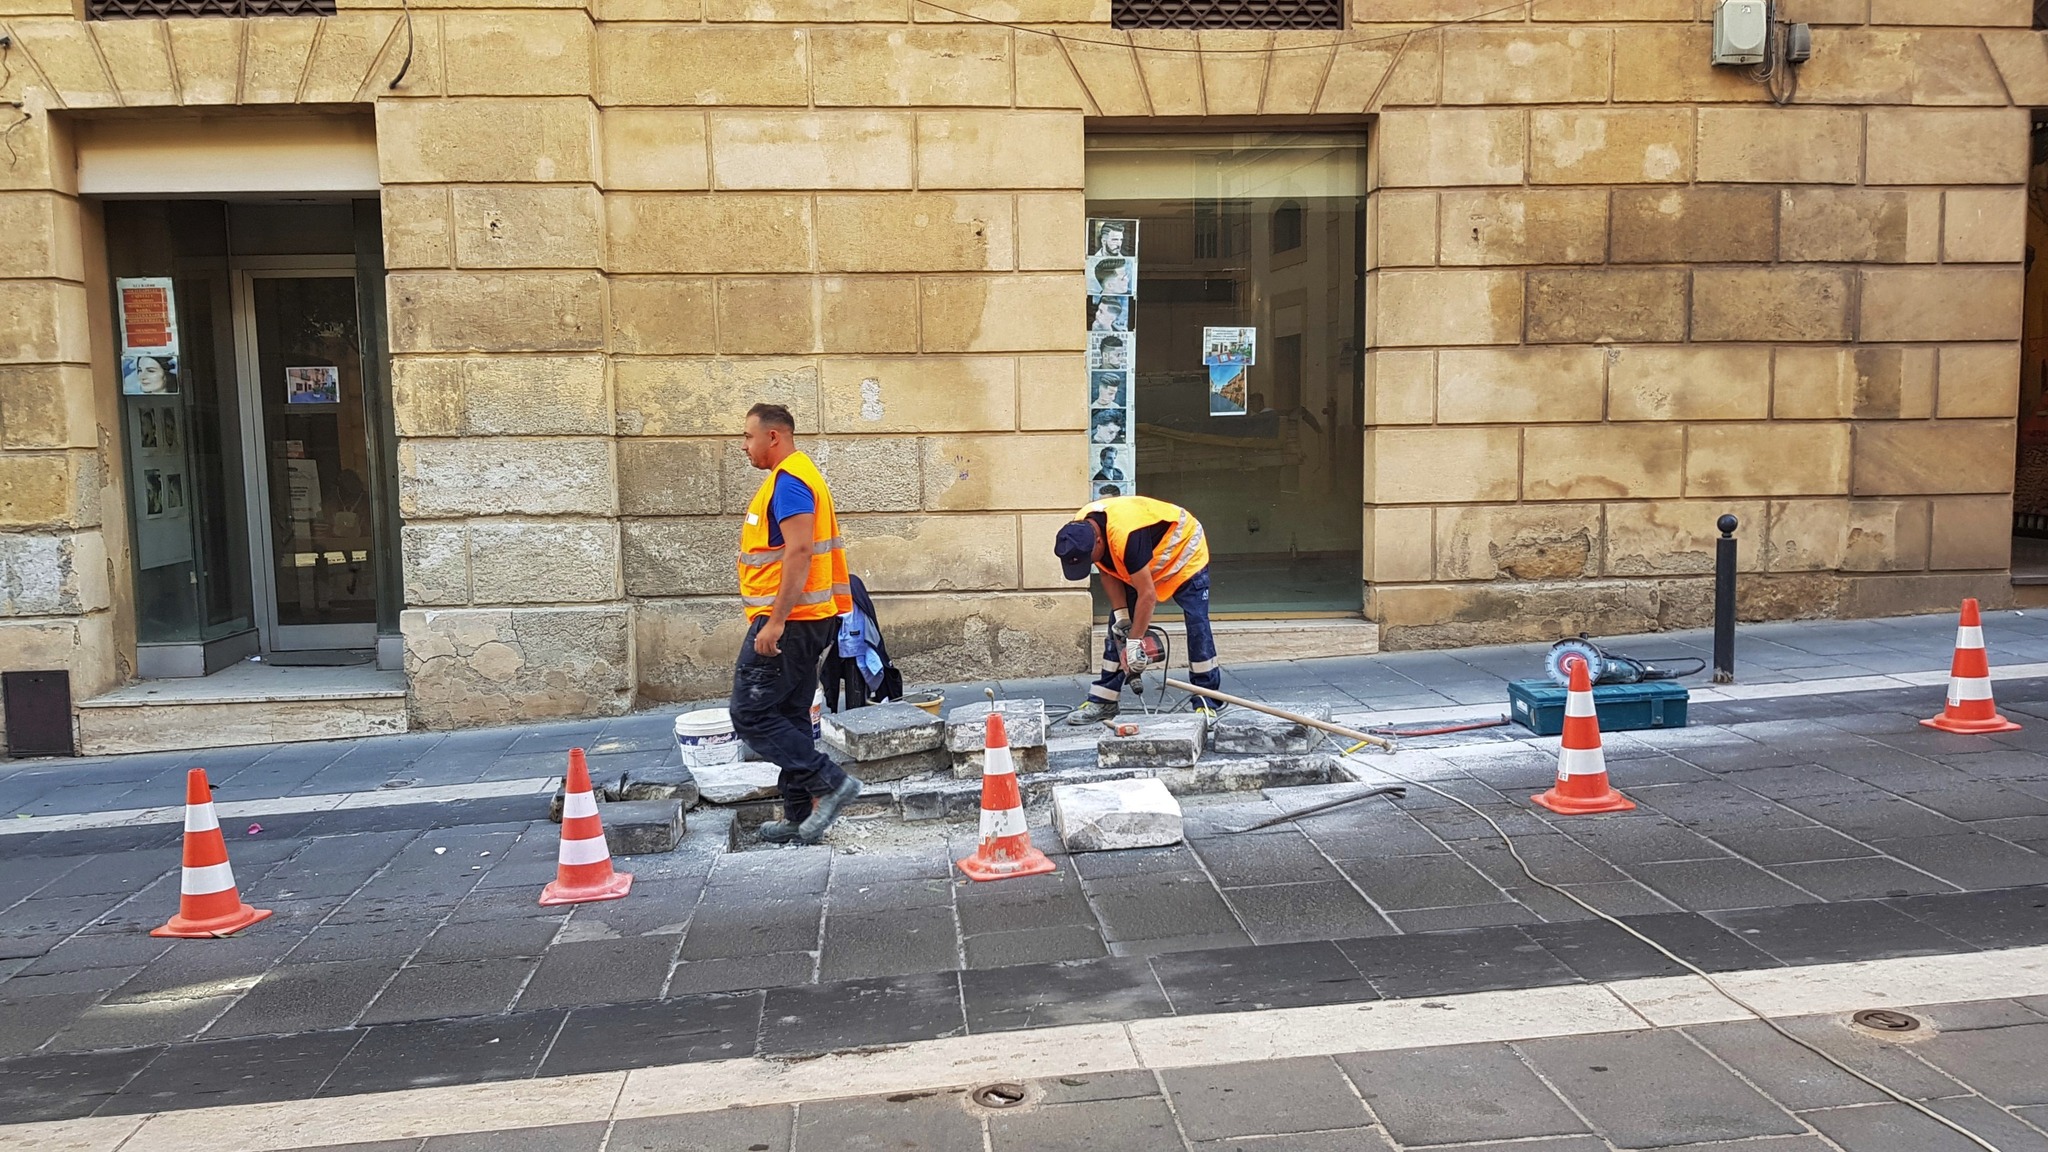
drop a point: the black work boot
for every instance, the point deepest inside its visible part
(827, 811)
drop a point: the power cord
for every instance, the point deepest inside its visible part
(1681, 961)
(7, 79)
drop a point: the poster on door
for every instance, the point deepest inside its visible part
(312, 385)
(159, 488)
(149, 315)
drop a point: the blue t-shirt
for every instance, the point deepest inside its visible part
(792, 497)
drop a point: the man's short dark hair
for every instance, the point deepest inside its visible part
(775, 414)
(1109, 340)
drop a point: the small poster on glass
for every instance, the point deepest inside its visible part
(1112, 276)
(1109, 389)
(1112, 237)
(1227, 389)
(167, 428)
(149, 375)
(152, 493)
(1111, 351)
(149, 316)
(147, 436)
(1109, 426)
(1112, 464)
(174, 493)
(1109, 313)
(1230, 346)
(315, 385)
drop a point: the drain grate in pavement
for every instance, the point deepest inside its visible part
(999, 1095)
(1885, 1020)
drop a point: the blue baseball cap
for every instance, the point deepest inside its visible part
(1075, 546)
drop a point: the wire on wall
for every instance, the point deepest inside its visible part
(406, 66)
(23, 117)
(1776, 73)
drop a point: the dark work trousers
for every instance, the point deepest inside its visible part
(771, 710)
(1203, 672)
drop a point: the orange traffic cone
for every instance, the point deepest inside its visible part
(1006, 848)
(208, 902)
(583, 867)
(1970, 708)
(1582, 786)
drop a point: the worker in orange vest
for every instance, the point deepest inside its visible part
(794, 586)
(1146, 550)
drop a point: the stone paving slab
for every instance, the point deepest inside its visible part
(1828, 806)
(1708, 1088)
(1766, 653)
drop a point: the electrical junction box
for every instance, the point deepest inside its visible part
(1740, 29)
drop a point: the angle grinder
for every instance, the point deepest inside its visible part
(1605, 667)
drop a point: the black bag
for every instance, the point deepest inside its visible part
(845, 687)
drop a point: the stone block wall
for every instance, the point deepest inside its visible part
(63, 548)
(1613, 293)
(1616, 292)
(677, 214)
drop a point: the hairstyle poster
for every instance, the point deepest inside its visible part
(1111, 464)
(1111, 351)
(1108, 237)
(1113, 275)
(1109, 313)
(1112, 289)
(1108, 426)
(1109, 390)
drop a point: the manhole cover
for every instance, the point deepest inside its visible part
(1004, 1095)
(1885, 1020)
(398, 783)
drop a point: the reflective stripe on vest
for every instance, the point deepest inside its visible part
(827, 589)
(1181, 553)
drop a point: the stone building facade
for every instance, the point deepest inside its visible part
(1609, 292)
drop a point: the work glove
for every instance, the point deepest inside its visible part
(1119, 626)
(1135, 659)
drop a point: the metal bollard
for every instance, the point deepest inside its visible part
(1724, 602)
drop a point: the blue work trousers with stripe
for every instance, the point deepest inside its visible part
(1203, 672)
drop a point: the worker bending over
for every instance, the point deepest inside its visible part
(1147, 551)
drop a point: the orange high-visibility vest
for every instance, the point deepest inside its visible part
(1184, 551)
(827, 592)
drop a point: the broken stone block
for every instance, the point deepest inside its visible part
(1243, 732)
(735, 783)
(967, 765)
(1160, 742)
(893, 767)
(1114, 814)
(1249, 774)
(638, 827)
(603, 788)
(883, 731)
(1023, 725)
(660, 782)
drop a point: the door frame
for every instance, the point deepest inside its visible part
(256, 490)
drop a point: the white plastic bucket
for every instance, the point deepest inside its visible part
(818, 713)
(706, 738)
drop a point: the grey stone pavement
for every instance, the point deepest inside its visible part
(408, 949)
(1778, 653)
(1716, 1088)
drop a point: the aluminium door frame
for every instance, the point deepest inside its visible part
(257, 495)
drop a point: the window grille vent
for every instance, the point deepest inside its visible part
(1252, 14)
(151, 9)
